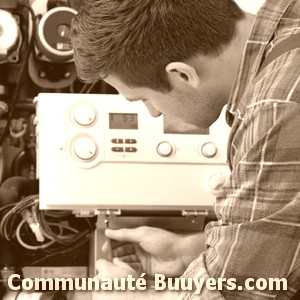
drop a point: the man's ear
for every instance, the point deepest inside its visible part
(182, 73)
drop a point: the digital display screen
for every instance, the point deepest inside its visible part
(123, 121)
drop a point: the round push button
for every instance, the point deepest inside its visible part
(209, 150)
(164, 149)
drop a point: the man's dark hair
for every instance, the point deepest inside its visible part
(136, 39)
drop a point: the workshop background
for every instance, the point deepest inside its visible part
(35, 57)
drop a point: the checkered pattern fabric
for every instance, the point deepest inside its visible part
(258, 232)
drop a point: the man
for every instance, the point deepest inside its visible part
(187, 59)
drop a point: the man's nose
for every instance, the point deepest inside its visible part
(152, 110)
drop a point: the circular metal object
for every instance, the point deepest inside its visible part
(9, 31)
(53, 34)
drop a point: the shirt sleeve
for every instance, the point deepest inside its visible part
(257, 238)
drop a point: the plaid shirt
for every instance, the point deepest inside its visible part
(258, 232)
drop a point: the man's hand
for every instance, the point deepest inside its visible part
(153, 250)
(119, 269)
(115, 269)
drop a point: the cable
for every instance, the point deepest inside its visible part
(64, 240)
(27, 246)
(7, 206)
(61, 227)
(84, 88)
(87, 88)
(20, 75)
(14, 128)
(48, 233)
(66, 250)
(8, 220)
(91, 87)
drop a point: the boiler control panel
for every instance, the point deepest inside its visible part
(100, 152)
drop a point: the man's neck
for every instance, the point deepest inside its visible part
(232, 55)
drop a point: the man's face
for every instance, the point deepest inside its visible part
(199, 107)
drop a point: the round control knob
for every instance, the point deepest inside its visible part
(209, 150)
(84, 148)
(216, 182)
(84, 114)
(164, 149)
